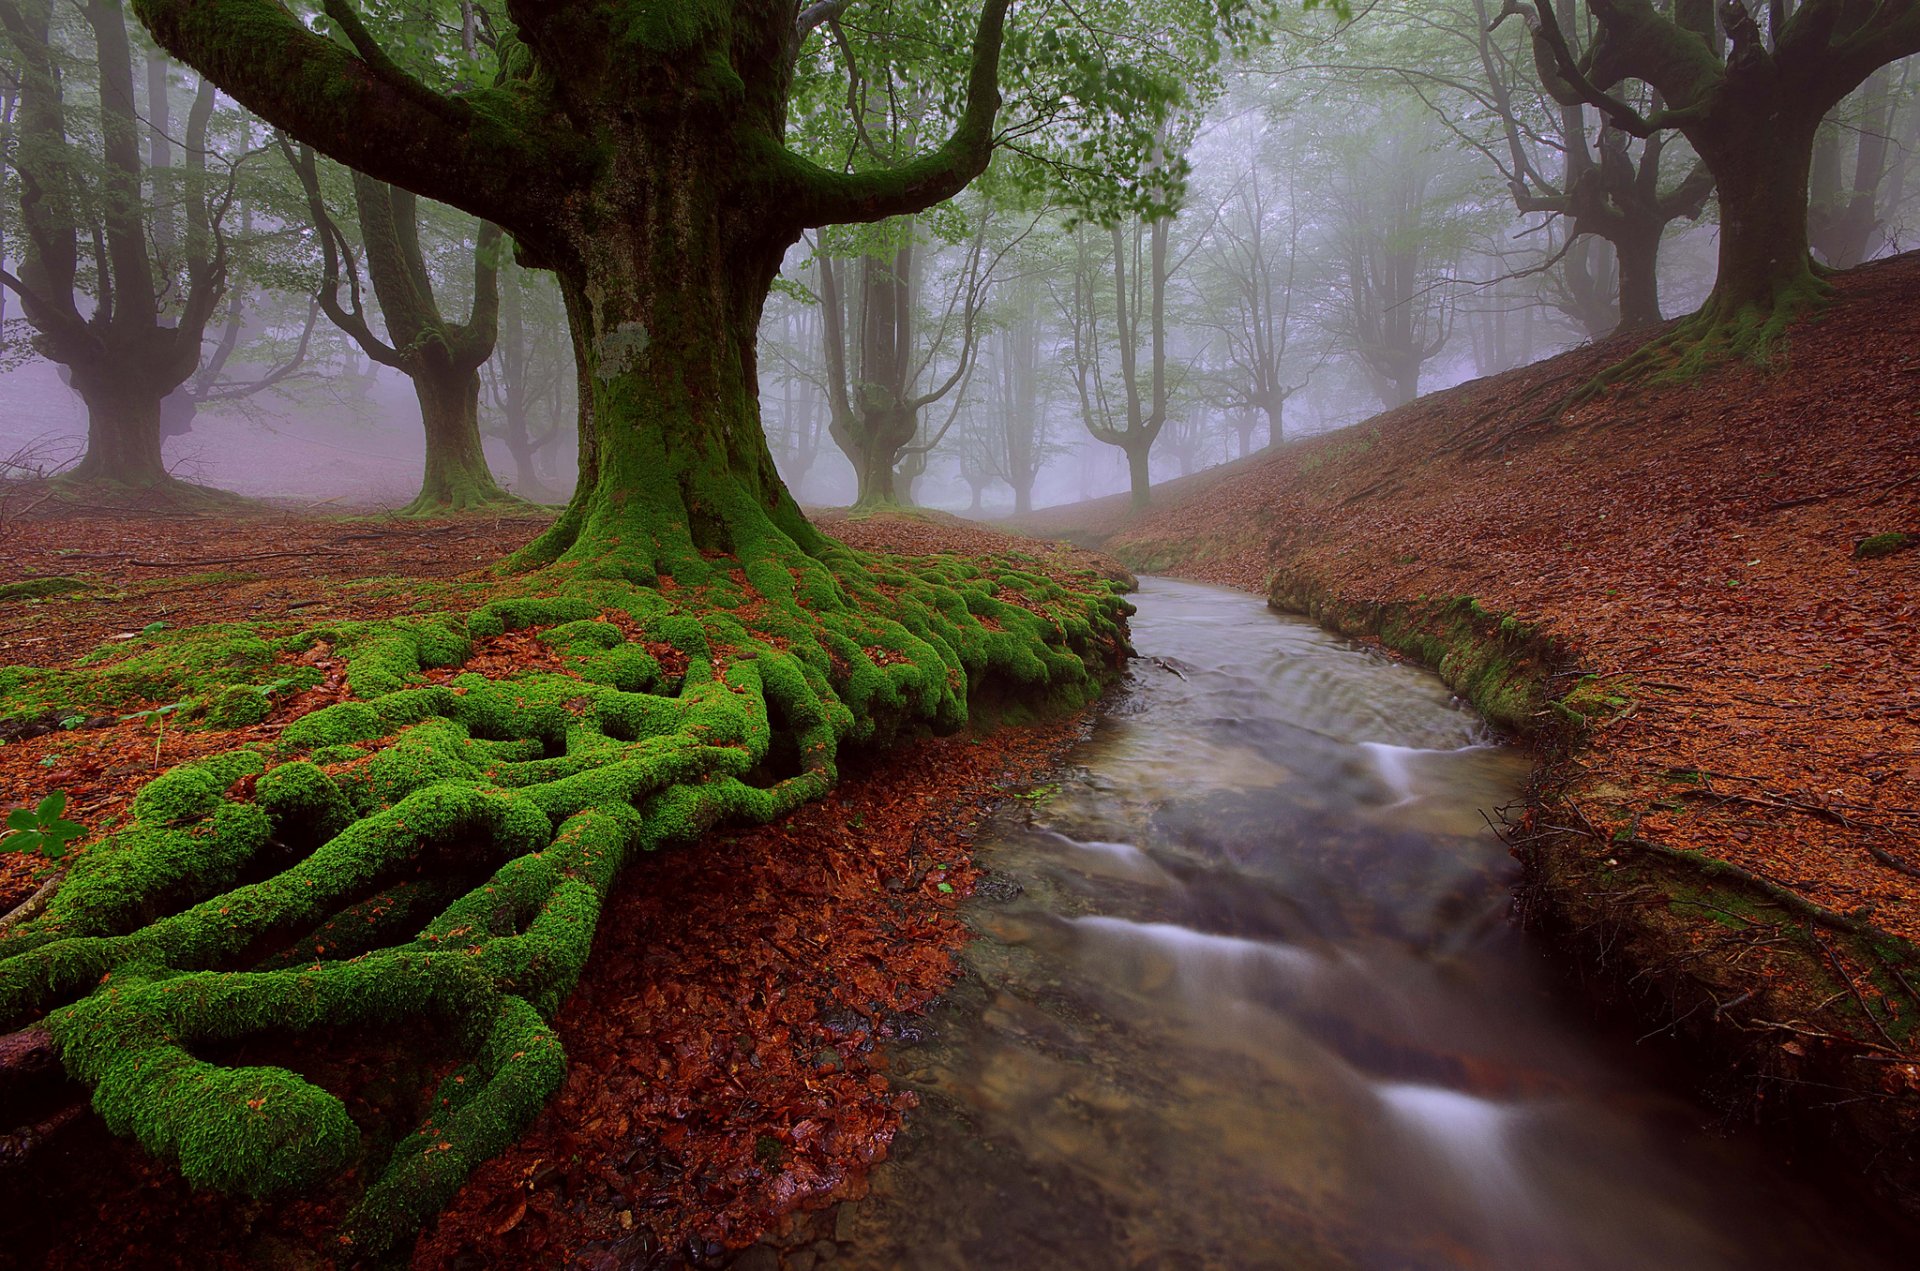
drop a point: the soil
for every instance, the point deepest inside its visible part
(726, 1046)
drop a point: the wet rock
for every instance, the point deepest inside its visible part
(1000, 888)
(757, 1258)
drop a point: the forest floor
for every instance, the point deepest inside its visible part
(1692, 549)
(736, 993)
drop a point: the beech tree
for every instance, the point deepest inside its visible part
(441, 358)
(528, 377)
(1118, 301)
(882, 353)
(1603, 187)
(1749, 93)
(1858, 173)
(640, 151)
(117, 287)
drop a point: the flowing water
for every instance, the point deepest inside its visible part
(1246, 995)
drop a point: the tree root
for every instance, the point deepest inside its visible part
(1722, 331)
(169, 941)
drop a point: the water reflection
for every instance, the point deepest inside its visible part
(1256, 1004)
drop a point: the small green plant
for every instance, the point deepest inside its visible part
(42, 828)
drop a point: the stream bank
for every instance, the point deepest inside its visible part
(1243, 993)
(1663, 590)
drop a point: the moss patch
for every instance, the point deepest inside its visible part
(1884, 545)
(41, 588)
(449, 879)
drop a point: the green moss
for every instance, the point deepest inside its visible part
(1883, 545)
(41, 588)
(238, 707)
(452, 877)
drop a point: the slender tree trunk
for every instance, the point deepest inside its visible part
(456, 475)
(1138, 479)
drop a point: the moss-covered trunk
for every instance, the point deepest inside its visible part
(665, 315)
(455, 475)
(1761, 157)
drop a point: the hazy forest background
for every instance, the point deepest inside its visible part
(1355, 213)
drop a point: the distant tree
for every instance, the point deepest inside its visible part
(1848, 203)
(1750, 100)
(122, 265)
(887, 360)
(441, 358)
(1250, 274)
(528, 377)
(1122, 402)
(1395, 240)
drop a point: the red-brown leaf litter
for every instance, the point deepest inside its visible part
(726, 1046)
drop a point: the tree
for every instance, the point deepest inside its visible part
(638, 150)
(1252, 272)
(874, 377)
(124, 317)
(1750, 100)
(1395, 238)
(1123, 403)
(529, 374)
(1018, 441)
(1846, 213)
(1606, 191)
(439, 357)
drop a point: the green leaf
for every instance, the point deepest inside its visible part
(22, 819)
(53, 805)
(946, 887)
(21, 841)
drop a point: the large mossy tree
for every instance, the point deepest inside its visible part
(1749, 94)
(427, 861)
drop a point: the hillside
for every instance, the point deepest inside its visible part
(1668, 589)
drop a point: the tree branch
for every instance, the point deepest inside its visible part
(821, 197)
(355, 105)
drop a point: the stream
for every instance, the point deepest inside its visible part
(1246, 995)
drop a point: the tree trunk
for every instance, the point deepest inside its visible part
(1022, 498)
(673, 460)
(123, 432)
(456, 476)
(1137, 476)
(1637, 250)
(1276, 413)
(1761, 162)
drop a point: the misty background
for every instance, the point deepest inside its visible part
(1360, 213)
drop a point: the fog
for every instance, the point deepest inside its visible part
(1346, 216)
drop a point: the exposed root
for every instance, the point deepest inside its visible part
(305, 887)
(1722, 331)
